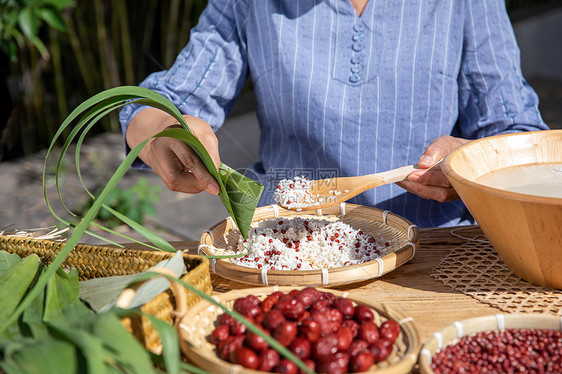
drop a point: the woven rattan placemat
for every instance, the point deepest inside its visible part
(475, 269)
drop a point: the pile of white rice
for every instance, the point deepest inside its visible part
(302, 243)
(295, 193)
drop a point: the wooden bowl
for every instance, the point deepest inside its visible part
(198, 323)
(452, 333)
(525, 230)
(404, 237)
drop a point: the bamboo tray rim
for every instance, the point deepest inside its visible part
(373, 268)
(451, 333)
(407, 326)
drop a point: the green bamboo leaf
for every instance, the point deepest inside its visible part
(170, 343)
(74, 238)
(53, 18)
(130, 356)
(7, 260)
(14, 283)
(61, 298)
(101, 293)
(28, 23)
(39, 357)
(243, 203)
(90, 346)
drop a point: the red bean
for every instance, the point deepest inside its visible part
(256, 342)
(357, 346)
(345, 337)
(363, 314)
(290, 308)
(345, 306)
(334, 318)
(352, 325)
(301, 347)
(225, 347)
(310, 330)
(286, 366)
(268, 359)
(245, 357)
(369, 332)
(361, 362)
(389, 330)
(308, 296)
(220, 333)
(325, 346)
(285, 332)
(225, 319)
(381, 350)
(272, 319)
(512, 350)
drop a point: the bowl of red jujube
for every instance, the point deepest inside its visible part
(501, 343)
(330, 331)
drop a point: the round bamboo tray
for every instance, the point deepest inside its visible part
(196, 325)
(525, 230)
(374, 221)
(452, 333)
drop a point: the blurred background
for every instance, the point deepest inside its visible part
(57, 53)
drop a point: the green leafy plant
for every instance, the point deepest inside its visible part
(238, 193)
(135, 202)
(21, 21)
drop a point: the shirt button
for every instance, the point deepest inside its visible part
(359, 26)
(356, 59)
(357, 37)
(357, 46)
(355, 68)
(354, 78)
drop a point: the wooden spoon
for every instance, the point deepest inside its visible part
(332, 191)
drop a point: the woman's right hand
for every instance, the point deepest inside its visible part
(173, 160)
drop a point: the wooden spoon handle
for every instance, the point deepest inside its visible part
(400, 174)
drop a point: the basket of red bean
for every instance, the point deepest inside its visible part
(501, 343)
(328, 330)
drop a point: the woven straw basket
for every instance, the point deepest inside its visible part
(403, 235)
(452, 333)
(196, 325)
(93, 261)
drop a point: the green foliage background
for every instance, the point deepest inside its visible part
(54, 54)
(57, 53)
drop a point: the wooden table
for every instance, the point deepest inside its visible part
(408, 289)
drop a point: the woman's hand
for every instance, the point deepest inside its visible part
(431, 184)
(173, 160)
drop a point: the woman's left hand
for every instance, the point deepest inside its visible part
(431, 184)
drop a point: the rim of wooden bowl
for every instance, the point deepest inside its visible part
(406, 231)
(495, 322)
(535, 136)
(198, 323)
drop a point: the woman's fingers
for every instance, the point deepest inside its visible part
(179, 167)
(438, 149)
(433, 184)
(441, 194)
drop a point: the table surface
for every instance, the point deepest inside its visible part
(409, 289)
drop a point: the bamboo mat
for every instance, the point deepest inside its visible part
(475, 269)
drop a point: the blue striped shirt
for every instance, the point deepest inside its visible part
(343, 95)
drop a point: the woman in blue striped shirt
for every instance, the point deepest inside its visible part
(343, 88)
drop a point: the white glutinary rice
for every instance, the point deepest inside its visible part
(294, 193)
(303, 243)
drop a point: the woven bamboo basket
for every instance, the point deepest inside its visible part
(455, 331)
(196, 325)
(403, 234)
(92, 261)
